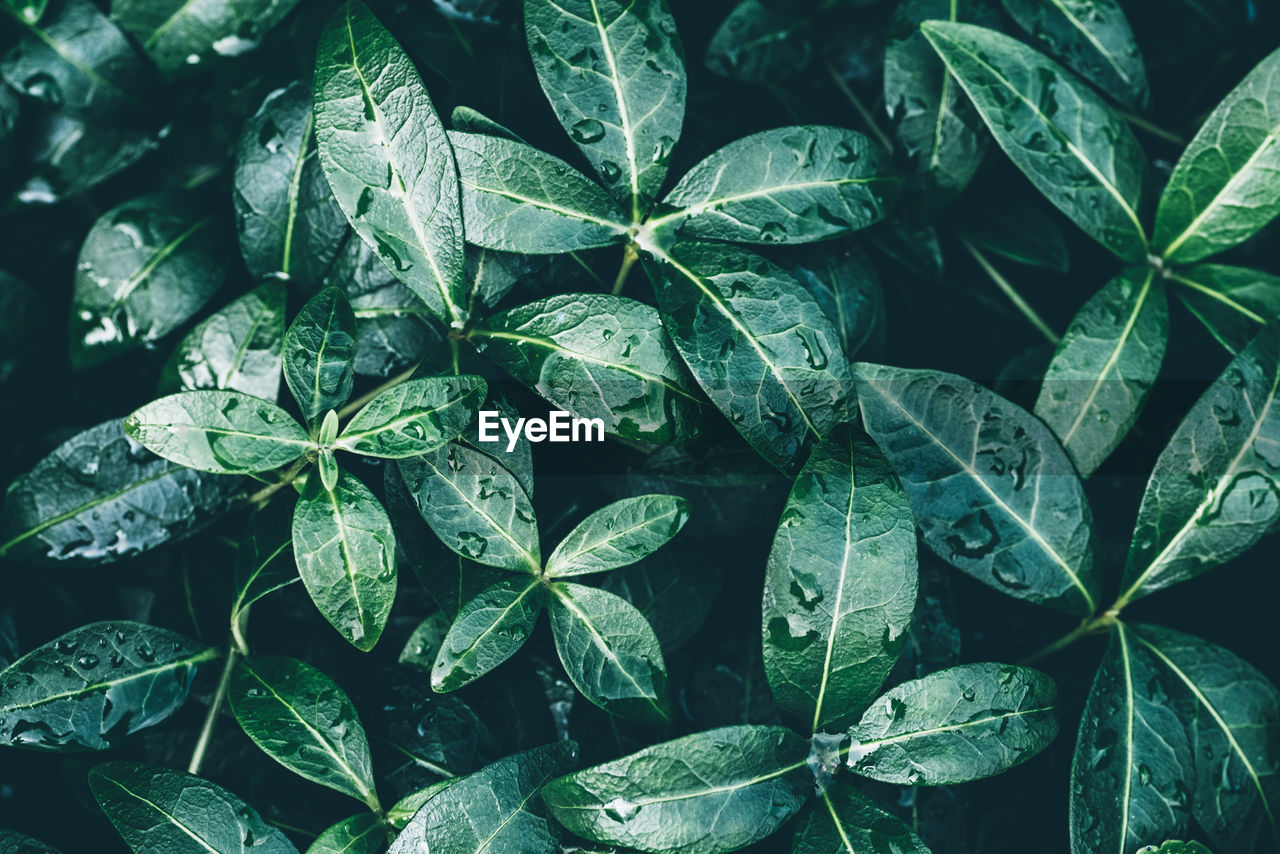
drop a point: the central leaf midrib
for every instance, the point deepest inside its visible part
(598, 639)
(171, 818)
(567, 561)
(193, 659)
(530, 560)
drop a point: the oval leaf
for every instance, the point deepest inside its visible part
(489, 629)
(319, 349)
(414, 417)
(240, 347)
(182, 34)
(361, 834)
(619, 535)
(756, 44)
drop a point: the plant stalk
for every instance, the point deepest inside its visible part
(1016, 298)
(1088, 626)
(215, 707)
(629, 258)
(860, 107)
(357, 404)
(1153, 129)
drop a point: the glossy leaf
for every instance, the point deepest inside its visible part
(707, 793)
(516, 198)
(96, 684)
(145, 267)
(789, 185)
(757, 44)
(610, 652)
(488, 630)
(1233, 303)
(598, 356)
(955, 725)
(384, 152)
(619, 535)
(840, 585)
(158, 811)
(1224, 190)
(1093, 38)
(993, 492)
(363, 833)
(846, 287)
(100, 497)
(1212, 493)
(179, 34)
(842, 820)
(414, 417)
(1105, 366)
(346, 554)
(304, 721)
(476, 507)
(757, 343)
(289, 224)
(224, 432)
(239, 347)
(1072, 146)
(626, 58)
(318, 352)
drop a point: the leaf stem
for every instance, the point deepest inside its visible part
(215, 707)
(860, 107)
(1016, 298)
(1088, 626)
(1152, 128)
(629, 258)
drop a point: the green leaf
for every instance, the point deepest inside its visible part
(1223, 190)
(476, 507)
(224, 432)
(626, 58)
(1093, 38)
(1232, 726)
(619, 535)
(100, 496)
(96, 684)
(1233, 303)
(993, 492)
(515, 198)
(346, 554)
(239, 347)
(488, 630)
(777, 373)
(182, 34)
(955, 725)
(846, 287)
(756, 44)
(1072, 146)
(158, 811)
(400, 814)
(15, 843)
(468, 120)
(414, 417)
(788, 185)
(1133, 763)
(384, 151)
(598, 356)
(1016, 229)
(494, 809)
(675, 590)
(1105, 366)
(1212, 493)
(145, 267)
(30, 11)
(289, 224)
(363, 833)
(264, 561)
(70, 155)
(318, 352)
(1173, 846)
(707, 793)
(300, 717)
(842, 820)
(840, 584)
(610, 652)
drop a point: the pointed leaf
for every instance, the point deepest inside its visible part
(956, 725)
(318, 352)
(414, 417)
(842, 820)
(1233, 303)
(992, 490)
(707, 793)
(1105, 366)
(488, 630)
(174, 31)
(469, 120)
(384, 151)
(96, 684)
(840, 584)
(346, 555)
(757, 44)
(363, 833)
(1072, 146)
(239, 347)
(619, 535)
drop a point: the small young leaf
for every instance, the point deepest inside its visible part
(224, 432)
(476, 507)
(756, 44)
(956, 725)
(610, 652)
(363, 833)
(414, 417)
(385, 154)
(619, 535)
(515, 198)
(840, 584)
(842, 819)
(318, 352)
(993, 492)
(707, 793)
(180, 34)
(625, 58)
(239, 347)
(328, 468)
(96, 684)
(1212, 493)
(1072, 146)
(304, 721)
(488, 630)
(789, 185)
(158, 811)
(1223, 190)
(1233, 303)
(346, 555)
(1105, 366)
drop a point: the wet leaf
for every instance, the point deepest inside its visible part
(488, 630)
(239, 347)
(363, 833)
(181, 35)
(1233, 303)
(842, 820)
(318, 352)
(414, 417)
(845, 285)
(618, 535)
